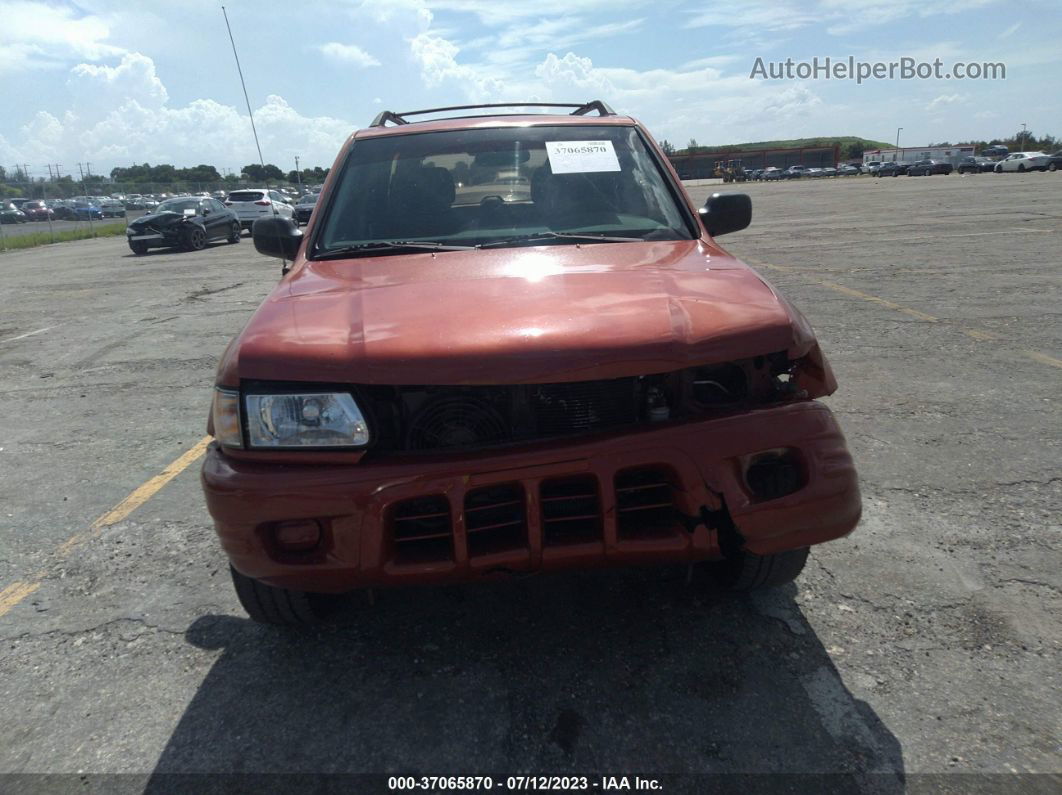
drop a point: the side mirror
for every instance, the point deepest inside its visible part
(276, 237)
(726, 212)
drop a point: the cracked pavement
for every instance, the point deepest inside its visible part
(924, 648)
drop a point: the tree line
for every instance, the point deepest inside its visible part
(253, 172)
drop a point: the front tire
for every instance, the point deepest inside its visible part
(139, 248)
(193, 238)
(1052, 166)
(267, 604)
(236, 233)
(747, 571)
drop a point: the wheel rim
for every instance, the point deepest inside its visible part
(198, 239)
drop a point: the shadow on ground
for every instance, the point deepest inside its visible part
(608, 672)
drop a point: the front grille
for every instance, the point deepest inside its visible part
(422, 530)
(453, 418)
(571, 510)
(495, 519)
(559, 409)
(645, 503)
(412, 418)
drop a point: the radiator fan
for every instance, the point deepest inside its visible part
(452, 422)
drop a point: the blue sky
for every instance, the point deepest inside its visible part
(113, 83)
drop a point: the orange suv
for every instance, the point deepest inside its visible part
(509, 343)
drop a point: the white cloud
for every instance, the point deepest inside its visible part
(34, 35)
(1006, 34)
(519, 42)
(840, 17)
(943, 101)
(768, 16)
(348, 54)
(713, 61)
(410, 13)
(132, 121)
(497, 14)
(571, 71)
(436, 58)
(106, 86)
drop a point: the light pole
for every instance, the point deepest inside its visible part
(298, 176)
(898, 137)
(1024, 130)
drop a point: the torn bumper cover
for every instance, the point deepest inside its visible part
(769, 479)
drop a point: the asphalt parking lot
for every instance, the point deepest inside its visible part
(923, 648)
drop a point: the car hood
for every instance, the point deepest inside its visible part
(159, 219)
(519, 315)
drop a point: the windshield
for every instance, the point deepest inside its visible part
(309, 198)
(473, 187)
(178, 205)
(246, 196)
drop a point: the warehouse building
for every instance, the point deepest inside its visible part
(912, 154)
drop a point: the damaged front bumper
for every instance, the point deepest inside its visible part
(767, 480)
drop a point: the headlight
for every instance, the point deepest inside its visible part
(305, 420)
(226, 413)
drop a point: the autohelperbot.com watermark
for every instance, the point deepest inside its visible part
(851, 68)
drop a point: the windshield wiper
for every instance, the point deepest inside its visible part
(381, 246)
(592, 238)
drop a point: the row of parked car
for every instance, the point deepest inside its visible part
(1017, 161)
(79, 208)
(85, 208)
(801, 172)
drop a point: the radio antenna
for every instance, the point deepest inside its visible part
(250, 115)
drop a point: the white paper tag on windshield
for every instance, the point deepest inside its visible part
(577, 157)
(190, 211)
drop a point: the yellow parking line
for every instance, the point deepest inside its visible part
(972, 333)
(17, 591)
(1043, 358)
(145, 492)
(840, 288)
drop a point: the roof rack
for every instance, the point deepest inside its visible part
(581, 109)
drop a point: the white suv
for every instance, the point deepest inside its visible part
(254, 203)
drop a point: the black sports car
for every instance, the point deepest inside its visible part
(304, 207)
(927, 168)
(10, 214)
(891, 169)
(187, 223)
(975, 165)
